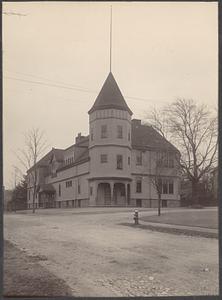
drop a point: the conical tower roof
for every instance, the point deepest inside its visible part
(110, 96)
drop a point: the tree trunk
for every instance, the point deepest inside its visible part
(33, 202)
(159, 204)
(195, 198)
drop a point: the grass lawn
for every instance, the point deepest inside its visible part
(200, 218)
(24, 276)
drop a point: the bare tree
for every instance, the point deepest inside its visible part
(159, 121)
(194, 130)
(165, 168)
(35, 146)
(156, 180)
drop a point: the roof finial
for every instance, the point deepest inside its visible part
(110, 50)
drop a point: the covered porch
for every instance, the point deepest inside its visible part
(46, 196)
(111, 192)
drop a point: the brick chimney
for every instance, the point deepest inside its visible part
(79, 137)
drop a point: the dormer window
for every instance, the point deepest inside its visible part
(119, 132)
(104, 131)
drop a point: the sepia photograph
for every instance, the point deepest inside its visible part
(110, 149)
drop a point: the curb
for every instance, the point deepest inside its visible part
(175, 230)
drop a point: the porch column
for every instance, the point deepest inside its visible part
(125, 184)
(95, 192)
(111, 190)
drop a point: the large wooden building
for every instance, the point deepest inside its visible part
(113, 166)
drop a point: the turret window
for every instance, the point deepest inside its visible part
(119, 132)
(103, 158)
(104, 131)
(119, 162)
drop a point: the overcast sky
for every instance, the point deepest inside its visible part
(56, 58)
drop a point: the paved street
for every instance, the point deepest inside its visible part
(97, 256)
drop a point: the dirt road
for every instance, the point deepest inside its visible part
(96, 256)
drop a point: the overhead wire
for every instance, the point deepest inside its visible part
(69, 86)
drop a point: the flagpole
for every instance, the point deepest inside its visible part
(110, 50)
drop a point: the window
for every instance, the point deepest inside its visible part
(128, 160)
(119, 132)
(139, 186)
(128, 136)
(103, 158)
(91, 134)
(91, 190)
(68, 183)
(59, 190)
(119, 162)
(171, 187)
(29, 194)
(139, 159)
(166, 186)
(165, 159)
(79, 190)
(103, 131)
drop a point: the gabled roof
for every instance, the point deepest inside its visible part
(110, 96)
(81, 156)
(58, 154)
(146, 137)
(44, 161)
(84, 155)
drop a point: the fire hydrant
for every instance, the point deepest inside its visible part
(136, 217)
